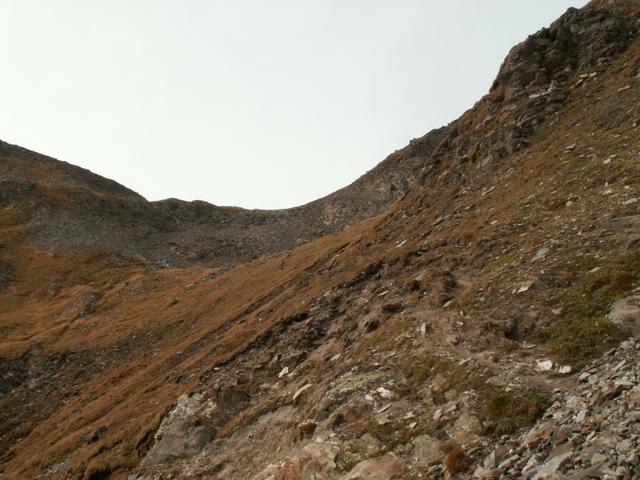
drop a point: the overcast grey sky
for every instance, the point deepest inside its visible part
(255, 103)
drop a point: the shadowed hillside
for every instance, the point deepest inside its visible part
(68, 208)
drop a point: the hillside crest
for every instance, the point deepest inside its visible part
(468, 309)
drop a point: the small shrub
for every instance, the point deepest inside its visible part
(455, 459)
(508, 412)
(576, 341)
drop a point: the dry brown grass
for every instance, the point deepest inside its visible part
(165, 351)
(455, 460)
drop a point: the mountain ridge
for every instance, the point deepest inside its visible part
(275, 230)
(403, 346)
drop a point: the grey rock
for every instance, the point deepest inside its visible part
(53, 289)
(624, 446)
(598, 458)
(495, 457)
(551, 467)
(387, 467)
(597, 420)
(182, 433)
(483, 473)
(625, 311)
(426, 450)
(466, 424)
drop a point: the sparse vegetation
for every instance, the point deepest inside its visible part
(418, 371)
(390, 434)
(502, 260)
(455, 460)
(507, 412)
(520, 191)
(583, 332)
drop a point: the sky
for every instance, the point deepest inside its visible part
(252, 103)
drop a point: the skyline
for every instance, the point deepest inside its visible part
(246, 104)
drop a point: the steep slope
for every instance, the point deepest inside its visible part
(406, 344)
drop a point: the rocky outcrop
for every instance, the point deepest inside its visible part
(193, 422)
(626, 312)
(544, 63)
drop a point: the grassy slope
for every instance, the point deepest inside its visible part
(153, 349)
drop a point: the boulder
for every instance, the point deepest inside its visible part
(427, 450)
(466, 426)
(387, 467)
(550, 469)
(544, 365)
(537, 436)
(315, 461)
(84, 305)
(182, 433)
(625, 311)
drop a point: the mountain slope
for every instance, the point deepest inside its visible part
(69, 208)
(406, 343)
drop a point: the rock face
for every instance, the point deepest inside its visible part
(546, 60)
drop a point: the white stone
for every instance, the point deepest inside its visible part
(301, 390)
(544, 365)
(384, 393)
(540, 254)
(526, 286)
(582, 414)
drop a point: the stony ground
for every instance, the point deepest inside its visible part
(590, 431)
(415, 344)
